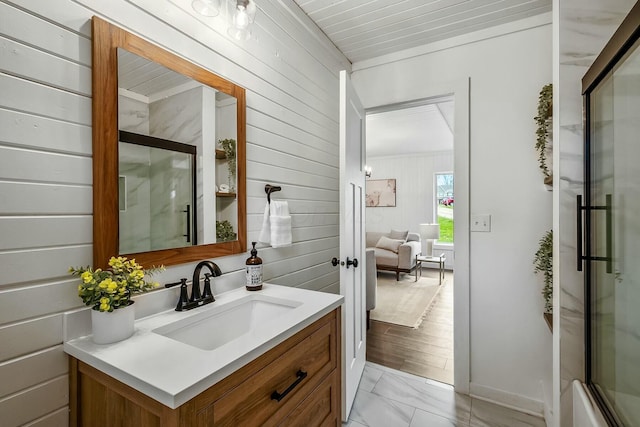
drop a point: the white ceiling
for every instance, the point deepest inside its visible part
(416, 129)
(364, 29)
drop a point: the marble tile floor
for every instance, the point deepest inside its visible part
(390, 398)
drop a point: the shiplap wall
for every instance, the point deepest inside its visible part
(414, 177)
(290, 72)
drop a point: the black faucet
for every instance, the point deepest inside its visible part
(197, 299)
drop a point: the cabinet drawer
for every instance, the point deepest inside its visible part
(320, 408)
(250, 403)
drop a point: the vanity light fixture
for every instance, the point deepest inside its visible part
(206, 7)
(239, 13)
(367, 171)
(243, 16)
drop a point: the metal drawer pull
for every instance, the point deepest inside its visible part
(277, 396)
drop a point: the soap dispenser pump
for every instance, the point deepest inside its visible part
(254, 270)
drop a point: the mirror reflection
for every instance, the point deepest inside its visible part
(176, 159)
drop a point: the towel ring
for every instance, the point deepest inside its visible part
(271, 189)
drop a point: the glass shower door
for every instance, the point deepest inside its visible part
(612, 215)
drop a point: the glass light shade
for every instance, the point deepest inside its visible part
(206, 7)
(430, 231)
(244, 12)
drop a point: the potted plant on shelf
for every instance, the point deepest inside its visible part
(229, 147)
(108, 293)
(543, 263)
(224, 231)
(544, 131)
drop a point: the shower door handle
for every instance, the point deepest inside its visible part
(607, 208)
(188, 212)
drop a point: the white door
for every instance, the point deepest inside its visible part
(352, 254)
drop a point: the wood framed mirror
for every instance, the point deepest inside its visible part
(136, 196)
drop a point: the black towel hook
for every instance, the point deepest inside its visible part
(271, 189)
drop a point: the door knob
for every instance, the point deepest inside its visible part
(334, 261)
(353, 262)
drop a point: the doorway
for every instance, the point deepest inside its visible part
(412, 324)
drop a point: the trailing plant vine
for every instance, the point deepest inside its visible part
(229, 147)
(543, 263)
(545, 112)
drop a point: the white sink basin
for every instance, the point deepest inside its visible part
(218, 325)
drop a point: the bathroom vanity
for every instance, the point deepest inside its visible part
(265, 358)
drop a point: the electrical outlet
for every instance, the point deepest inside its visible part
(481, 222)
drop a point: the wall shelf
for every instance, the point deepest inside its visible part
(220, 154)
(226, 195)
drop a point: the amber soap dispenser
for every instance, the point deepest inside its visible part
(254, 270)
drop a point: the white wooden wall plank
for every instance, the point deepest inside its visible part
(280, 159)
(255, 189)
(49, 37)
(26, 130)
(270, 124)
(325, 131)
(44, 231)
(256, 206)
(58, 418)
(40, 264)
(297, 262)
(331, 289)
(281, 175)
(311, 233)
(30, 336)
(35, 402)
(33, 64)
(45, 167)
(261, 137)
(19, 198)
(66, 14)
(297, 220)
(303, 275)
(322, 283)
(34, 368)
(22, 95)
(18, 304)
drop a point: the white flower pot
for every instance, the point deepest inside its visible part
(112, 327)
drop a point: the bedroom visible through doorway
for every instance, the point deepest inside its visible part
(411, 327)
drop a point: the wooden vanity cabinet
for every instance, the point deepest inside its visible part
(244, 398)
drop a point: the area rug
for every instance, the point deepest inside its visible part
(404, 302)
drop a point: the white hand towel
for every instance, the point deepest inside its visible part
(280, 222)
(265, 232)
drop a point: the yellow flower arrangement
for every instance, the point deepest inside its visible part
(108, 290)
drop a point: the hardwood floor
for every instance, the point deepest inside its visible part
(426, 351)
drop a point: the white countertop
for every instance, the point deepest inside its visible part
(172, 372)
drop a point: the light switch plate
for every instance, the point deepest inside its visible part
(481, 222)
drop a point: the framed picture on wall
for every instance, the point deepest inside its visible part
(381, 193)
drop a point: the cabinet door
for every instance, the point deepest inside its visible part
(251, 402)
(320, 408)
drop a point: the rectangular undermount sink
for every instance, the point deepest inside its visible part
(218, 325)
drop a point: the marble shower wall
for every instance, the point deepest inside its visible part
(584, 28)
(176, 118)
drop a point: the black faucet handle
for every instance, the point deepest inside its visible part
(206, 293)
(184, 297)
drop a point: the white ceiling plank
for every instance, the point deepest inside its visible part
(392, 46)
(366, 29)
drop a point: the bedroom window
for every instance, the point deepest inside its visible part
(444, 206)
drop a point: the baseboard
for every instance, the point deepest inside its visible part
(508, 400)
(547, 406)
